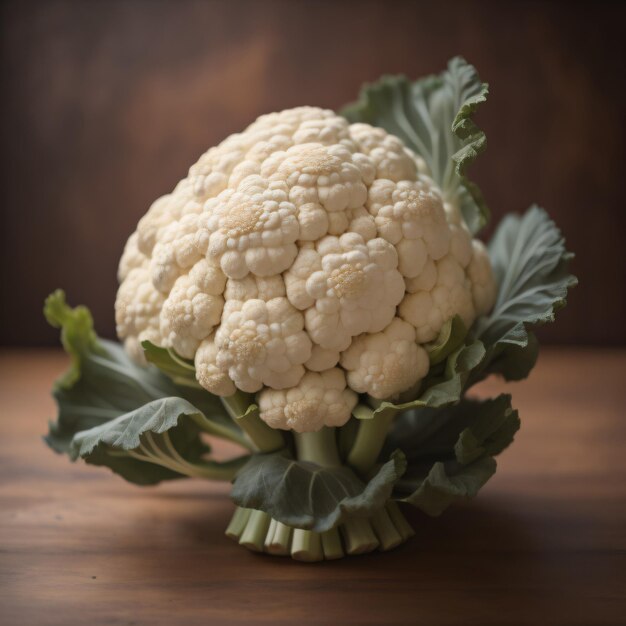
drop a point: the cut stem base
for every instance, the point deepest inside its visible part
(255, 530)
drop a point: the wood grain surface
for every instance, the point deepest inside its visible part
(105, 105)
(544, 543)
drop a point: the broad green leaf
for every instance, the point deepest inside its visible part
(447, 389)
(164, 433)
(125, 431)
(108, 384)
(509, 360)
(306, 495)
(489, 432)
(531, 267)
(104, 383)
(446, 483)
(219, 410)
(450, 451)
(428, 434)
(433, 116)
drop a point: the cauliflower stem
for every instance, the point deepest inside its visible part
(369, 439)
(246, 416)
(386, 529)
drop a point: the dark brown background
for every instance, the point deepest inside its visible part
(105, 105)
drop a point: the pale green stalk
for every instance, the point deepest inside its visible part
(278, 540)
(370, 438)
(331, 544)
(240, 408)
(388, 535)
(253, 536)
(306, 545)
(319, 447)
(238, 523)
(399, 521)
(358, 536)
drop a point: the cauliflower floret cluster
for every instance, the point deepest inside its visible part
(305, 260)
(387, 363)
(319, 397)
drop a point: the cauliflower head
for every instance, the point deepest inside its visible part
(306, 260)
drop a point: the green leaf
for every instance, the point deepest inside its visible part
(219, 410)
(447, 483)
(104, 383)
(531, 267)
(433, 116)
(305, 495)
(125, 431)
(441, 389)
(451, 337)
(450, 451)
(509, 360)
(157, 441)
(108, 387)
(427, 434)
(490, 431)
(77, 333)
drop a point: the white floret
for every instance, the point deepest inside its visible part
(192, 309)
(277, 132)
(163, 212)
(322, 359)
(390, 157)
(304, 125)
(210, 175)
(262, 343)
(385, 364)
(137, 308)
(323, 182)
(131, 258)
(208, 374)
(175, 251)
(254, 287)
(346, 286)
(253, 229)
(438, 296)
(410, 215)
(319, 399)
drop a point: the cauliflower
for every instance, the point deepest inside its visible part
(305, 259)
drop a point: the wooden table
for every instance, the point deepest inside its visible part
(544, 543)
